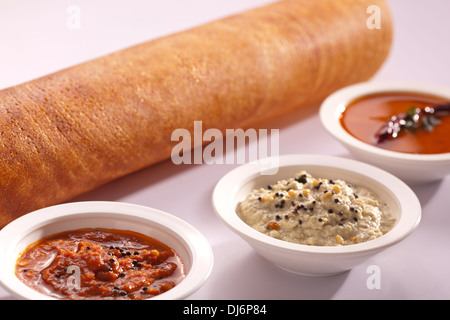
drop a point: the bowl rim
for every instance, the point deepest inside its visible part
(227, 187)
(333, 106)
(196, 245)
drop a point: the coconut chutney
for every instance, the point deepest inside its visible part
(316, 211)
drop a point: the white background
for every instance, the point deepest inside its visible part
(35, 40)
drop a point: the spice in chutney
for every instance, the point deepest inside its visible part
(100, 264)
(364, 117)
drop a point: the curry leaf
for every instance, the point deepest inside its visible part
(429, 122)
(413, 119)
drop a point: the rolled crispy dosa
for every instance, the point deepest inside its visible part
(72, 131)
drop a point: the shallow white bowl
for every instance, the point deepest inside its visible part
(189, 244)
(411, 168)
(316, 260)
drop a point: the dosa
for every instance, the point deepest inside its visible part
(69, 132)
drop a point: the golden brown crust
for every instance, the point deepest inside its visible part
(71, 131)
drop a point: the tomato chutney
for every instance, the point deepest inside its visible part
(100, 264)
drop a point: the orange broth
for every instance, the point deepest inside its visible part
(364, 117)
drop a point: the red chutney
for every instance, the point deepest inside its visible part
(100, 264)
(363, 118)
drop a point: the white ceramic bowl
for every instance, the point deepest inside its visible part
(411, 168)
(316, 260)
(190, 245)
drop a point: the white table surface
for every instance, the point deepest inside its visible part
(35, 40)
